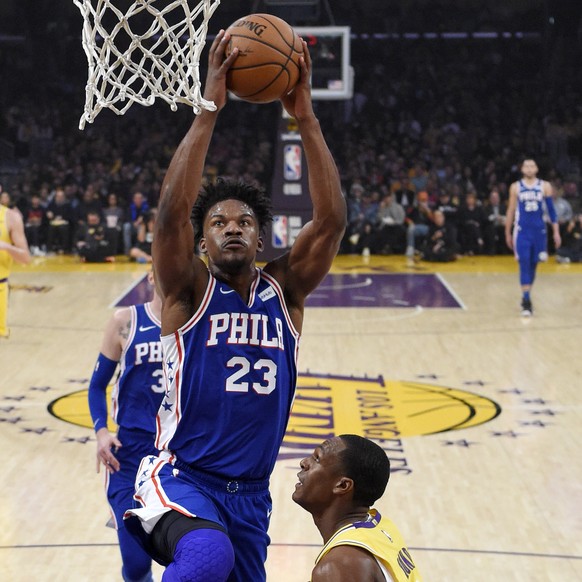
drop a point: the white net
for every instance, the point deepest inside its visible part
(140, 50)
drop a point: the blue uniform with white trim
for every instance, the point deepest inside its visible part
(135, 400)
(139, 388)
(530, 238)
(231, 373)
(249, 352)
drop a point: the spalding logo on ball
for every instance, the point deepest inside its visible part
(267, 66)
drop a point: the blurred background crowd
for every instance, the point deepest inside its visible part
(448, 97)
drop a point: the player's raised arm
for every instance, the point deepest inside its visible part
(318, 242)
(173, 243)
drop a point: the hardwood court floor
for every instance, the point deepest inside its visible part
(479, 410)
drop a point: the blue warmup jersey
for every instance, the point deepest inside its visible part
(231, 372)
(139, 388)
(530, 206)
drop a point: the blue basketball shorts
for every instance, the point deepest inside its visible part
(242, 508)
(531, 245)
(120, 486)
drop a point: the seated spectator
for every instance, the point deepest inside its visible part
(142, 250)
(563, 212)
(138, 208)
(450, 208)
(362, 212)
(403, 190)
(494, 228)
(35, 226)
(471, 222)
(89, 202)
(60, 216)
(113, 216)
(390, 233)
(571, 249)
(440, 245)
(418, 176)
(91, 241)
(572, 195)
(418, 220)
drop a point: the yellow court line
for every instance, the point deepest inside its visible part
(505, 264)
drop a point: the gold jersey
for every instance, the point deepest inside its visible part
(6, 259)
(381, 538)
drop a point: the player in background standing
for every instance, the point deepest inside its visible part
(230, 334)
(132, 340)
(525, 213)
(338, 484)
(13, 247)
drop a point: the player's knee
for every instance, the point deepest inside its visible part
(202, 555)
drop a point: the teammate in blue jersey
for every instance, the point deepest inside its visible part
(525, 213)
(132, 341)
(338, 484)
(230, 335)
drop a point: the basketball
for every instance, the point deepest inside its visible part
(267, 66)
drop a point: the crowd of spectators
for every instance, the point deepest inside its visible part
(112, 171)
(441, 127)
(427, 149)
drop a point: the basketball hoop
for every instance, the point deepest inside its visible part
(146, 50)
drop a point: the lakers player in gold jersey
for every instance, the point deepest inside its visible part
(13, 247)
(338, 484)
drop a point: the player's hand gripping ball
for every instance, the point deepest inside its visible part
(267, 66)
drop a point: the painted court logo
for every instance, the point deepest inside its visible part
(387, 411)
(380, 409)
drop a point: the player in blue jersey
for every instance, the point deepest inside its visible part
(525, 213)
(230, 335)
(132, 341)
(338, 484)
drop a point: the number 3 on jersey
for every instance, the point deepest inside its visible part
(235, 382)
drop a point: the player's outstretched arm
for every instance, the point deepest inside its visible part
(509, 217)
(318, 242)
(173, 244)
(114, 338)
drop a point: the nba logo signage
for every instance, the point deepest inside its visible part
(292, 162)
(280, 233)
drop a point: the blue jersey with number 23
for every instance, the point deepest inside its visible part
(231, 372)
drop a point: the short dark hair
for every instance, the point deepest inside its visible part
(367, 465)
(226, 189)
